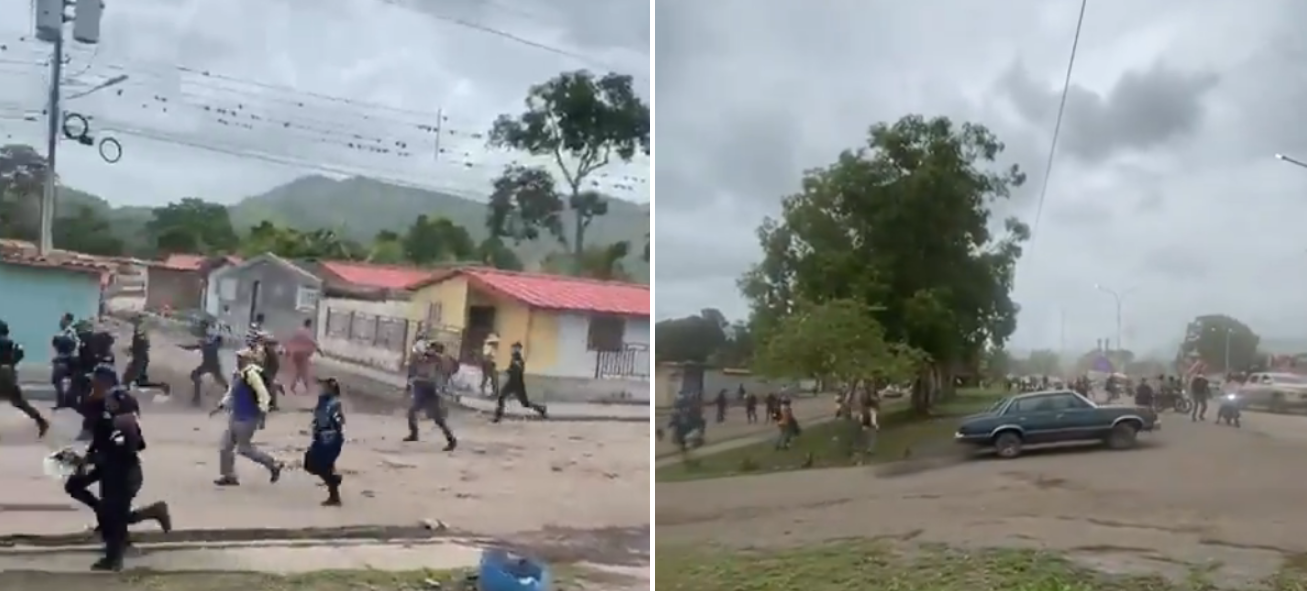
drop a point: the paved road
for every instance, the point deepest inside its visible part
(1198, 493)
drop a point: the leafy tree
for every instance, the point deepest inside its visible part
(22, 178)
(902, 225)
(582, 123)
(192, 225)
(694, 339)
(387, 248)
(86, 232)
(604, 263)
(1216, 338)
(492, 251)
(291, 243)
(839, 340)
(433, 240)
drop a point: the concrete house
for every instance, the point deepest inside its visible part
(286, 294)
(180, 282)
(363, 316)
(584, 339)
(36, 290)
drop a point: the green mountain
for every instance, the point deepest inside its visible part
(359, 207)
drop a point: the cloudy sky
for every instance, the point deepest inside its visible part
(277, 73)
(1165, 184)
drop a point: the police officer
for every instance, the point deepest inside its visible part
(11, 353)
(210, 346)
(328, 429)
(426, 378)
(62, 367)
(515, 386)
(113, 459)
(138, 365)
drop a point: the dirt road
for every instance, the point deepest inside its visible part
(1196, 494)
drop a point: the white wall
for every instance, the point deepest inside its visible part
(573, 359)
(364, 353)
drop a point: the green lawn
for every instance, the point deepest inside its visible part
(857, 564)
(902, 434)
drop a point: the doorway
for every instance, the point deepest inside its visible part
(254, 301)
(480, 323)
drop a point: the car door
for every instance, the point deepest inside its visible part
(1036, 417)
(1078, 419)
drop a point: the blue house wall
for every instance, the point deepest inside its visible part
(33, 298)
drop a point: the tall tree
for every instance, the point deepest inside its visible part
(86, 232)
(433, 240)
(1222, 342)
(492, 251)
(902, 225)
(690, 339)
(22, 177)
(192, 226)
(581, 122)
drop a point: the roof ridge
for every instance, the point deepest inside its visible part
(553, 276)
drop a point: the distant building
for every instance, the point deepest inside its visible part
(36, 290)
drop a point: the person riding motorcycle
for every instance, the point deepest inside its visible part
(1144, 394)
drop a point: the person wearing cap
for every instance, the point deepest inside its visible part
(113, 459)
(246, 404)
(515, 386)
(328, 429)
(11, 354)
(489, 371)
(426, 374)
(65, 344)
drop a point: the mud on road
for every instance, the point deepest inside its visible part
(1195, 495)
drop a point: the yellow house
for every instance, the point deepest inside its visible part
(568, 327)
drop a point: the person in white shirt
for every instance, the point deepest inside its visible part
(489, 369)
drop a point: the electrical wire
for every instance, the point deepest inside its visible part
(475, 26)
(1057, 125)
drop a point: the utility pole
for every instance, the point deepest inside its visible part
(50, 19)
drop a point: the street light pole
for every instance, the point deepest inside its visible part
(50, 19)
(1116, 296)
(1291, 160)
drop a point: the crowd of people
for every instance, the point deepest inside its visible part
(85, 378)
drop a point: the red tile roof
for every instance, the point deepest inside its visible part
(557, 292)
(18, 252)
(192, 262)
(379, 276)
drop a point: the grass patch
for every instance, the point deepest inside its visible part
(828, 444)
(857, 564)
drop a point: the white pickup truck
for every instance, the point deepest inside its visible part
(1276, 391)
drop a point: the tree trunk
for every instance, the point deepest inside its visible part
(948, 383)
(922, 391)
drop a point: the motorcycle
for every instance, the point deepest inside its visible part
(1230, 410)
(1175, 401)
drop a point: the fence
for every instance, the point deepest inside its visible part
(385, 332)
(632, 361)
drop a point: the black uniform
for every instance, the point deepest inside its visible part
(113, 460)
(515, 386)
(11, 353)
(138, 367)
(210, 347)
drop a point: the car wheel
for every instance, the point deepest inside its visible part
(1124, 435)
(1007, 445)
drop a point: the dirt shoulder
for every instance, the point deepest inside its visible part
(1196, 494)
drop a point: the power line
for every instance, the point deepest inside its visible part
(1061, 109)
(511, 37)
(364, 132)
